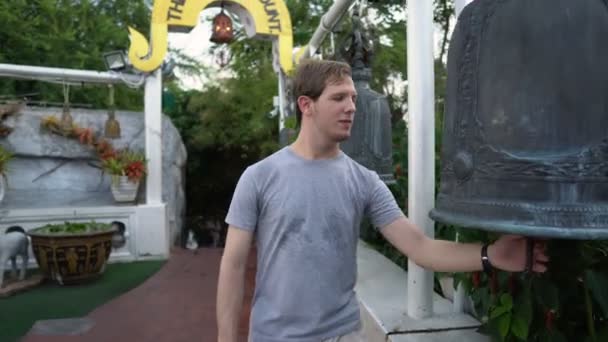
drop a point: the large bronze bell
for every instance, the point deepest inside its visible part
(370, 143)
(525, 146)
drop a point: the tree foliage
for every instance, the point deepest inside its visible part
(226, 125)
(67, 34)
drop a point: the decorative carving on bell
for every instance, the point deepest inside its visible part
(222, 29)
(370, 143)
(525, 137)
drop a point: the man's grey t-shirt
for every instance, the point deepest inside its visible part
(306, 216)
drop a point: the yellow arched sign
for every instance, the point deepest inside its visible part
(261, 18)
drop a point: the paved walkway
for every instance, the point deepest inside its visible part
(174, 305)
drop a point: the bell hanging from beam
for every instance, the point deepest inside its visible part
(370, 143)
(525, 136)
(223, 32)
(66, 116)
(112, 126)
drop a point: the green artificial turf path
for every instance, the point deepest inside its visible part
(51, 301)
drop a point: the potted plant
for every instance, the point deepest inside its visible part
(127, 168)
(72, 252)
(5, 158)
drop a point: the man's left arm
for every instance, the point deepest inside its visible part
(507, 253)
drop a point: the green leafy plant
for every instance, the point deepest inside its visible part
(567, 303)
(126, 162)
(73, 228)
(5, 157)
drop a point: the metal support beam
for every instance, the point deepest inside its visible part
(327, 24)
(61, 75)
(421, 145)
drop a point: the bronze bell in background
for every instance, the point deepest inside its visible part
(222, 28)
(370, 143)
(525, 136)
(112, 126)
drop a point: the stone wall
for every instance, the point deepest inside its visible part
(53, 171)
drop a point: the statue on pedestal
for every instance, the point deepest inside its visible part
(13, 243)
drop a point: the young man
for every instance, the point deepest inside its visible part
(304, 205)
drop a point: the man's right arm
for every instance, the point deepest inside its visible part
(230, 287)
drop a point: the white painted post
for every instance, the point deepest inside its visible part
(282, 100)
(459, 294)
(153, 137)
(421, 145)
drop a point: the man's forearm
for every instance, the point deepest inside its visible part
(438, 255)
(509, 253)
(229, 300)
(448, 256)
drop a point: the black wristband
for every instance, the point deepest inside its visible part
(485, 261)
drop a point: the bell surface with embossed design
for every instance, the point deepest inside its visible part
(525, 146)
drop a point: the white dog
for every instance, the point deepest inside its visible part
(13, 243)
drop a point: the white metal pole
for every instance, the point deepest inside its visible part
(282, 100)
(328, 21)
(421, 145)
(66, 75)
(153, 139)
(459, 294)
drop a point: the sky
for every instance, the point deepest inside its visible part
(196, 44)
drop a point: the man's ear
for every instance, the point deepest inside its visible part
(304, 103)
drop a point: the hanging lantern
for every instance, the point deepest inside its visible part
(222, 29)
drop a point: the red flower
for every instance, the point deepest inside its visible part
(494, 283)
(476, 279)
(135, 170)
(85, 136)
(549, 319)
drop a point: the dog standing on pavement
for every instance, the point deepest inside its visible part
(13, 243)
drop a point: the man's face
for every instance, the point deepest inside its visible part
(334, 111)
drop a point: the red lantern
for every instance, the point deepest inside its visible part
(222, 29)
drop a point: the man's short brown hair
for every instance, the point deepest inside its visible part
(312, 76)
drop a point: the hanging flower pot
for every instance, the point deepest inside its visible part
(127, 168)
(123, 189)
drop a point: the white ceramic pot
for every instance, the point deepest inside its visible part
(123, 189)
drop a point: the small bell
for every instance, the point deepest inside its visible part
(112, 127)
(66, 117)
